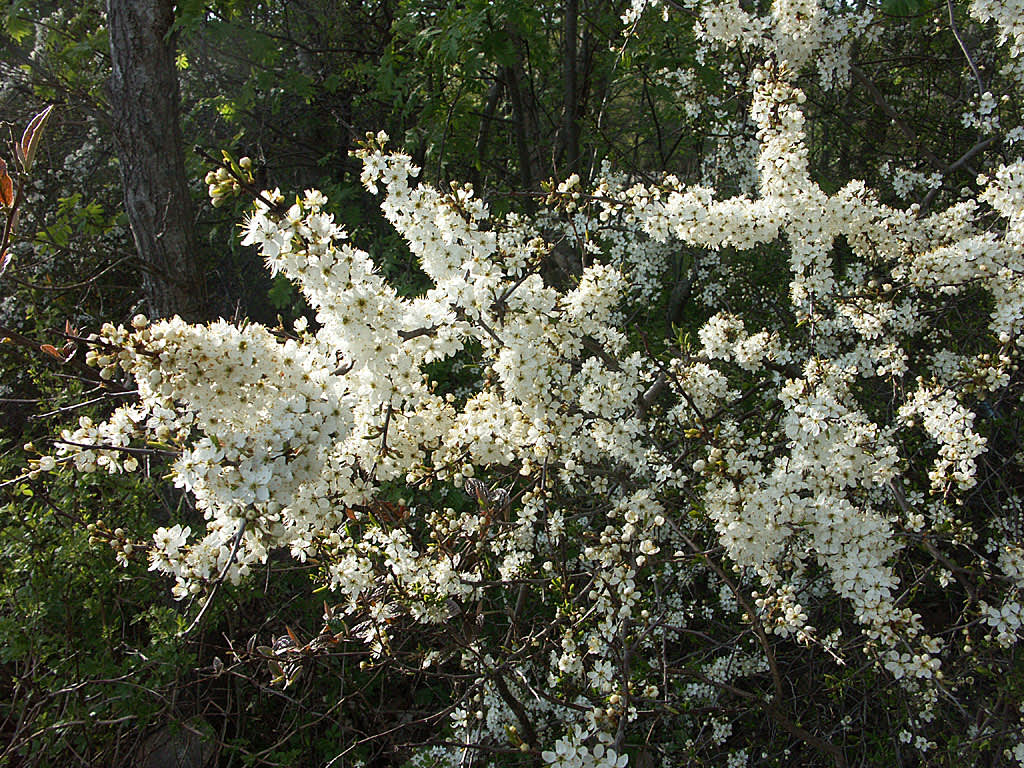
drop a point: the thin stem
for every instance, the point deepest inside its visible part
(963, 47)
(219, 581)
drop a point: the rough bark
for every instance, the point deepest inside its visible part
(521, 125)
(145, 109)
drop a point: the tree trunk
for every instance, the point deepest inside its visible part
(145, 108)
(570, 109)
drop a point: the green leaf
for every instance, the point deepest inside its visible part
(281, 293)
(18, 27)
(904, 7)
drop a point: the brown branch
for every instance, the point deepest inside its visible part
(121, 448)
(755, 622)
(879, 98)
(408, 335)
(776, 714)
(980, 146)
(959, 572)
(520, 711)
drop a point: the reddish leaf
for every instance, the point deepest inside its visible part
(50, 350)
(5, 257)
(6, 186)
(30, 139)
(388, 512)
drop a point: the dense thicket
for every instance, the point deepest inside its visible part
(696, 443)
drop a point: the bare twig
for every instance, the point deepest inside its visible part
(963, 47)
(121, 448)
